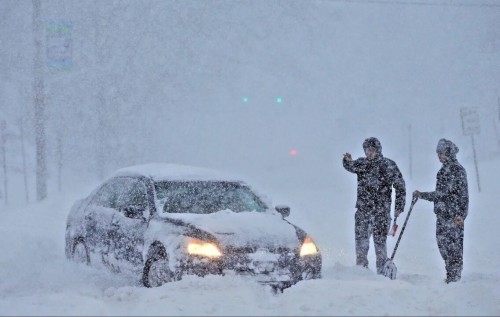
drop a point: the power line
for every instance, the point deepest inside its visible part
(421, 3)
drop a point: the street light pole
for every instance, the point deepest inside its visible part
(40, 137)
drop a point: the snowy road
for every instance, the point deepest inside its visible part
(36, 278)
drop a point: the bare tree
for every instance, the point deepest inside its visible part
(3, 139)
(23, 154)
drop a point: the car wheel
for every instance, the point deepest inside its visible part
(80, 251)
(157, 271)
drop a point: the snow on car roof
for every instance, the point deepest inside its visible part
(165, 171)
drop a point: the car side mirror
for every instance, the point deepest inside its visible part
(283, 210)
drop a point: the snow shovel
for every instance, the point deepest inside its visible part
(390, 270)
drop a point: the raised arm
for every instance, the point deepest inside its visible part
(353, 166)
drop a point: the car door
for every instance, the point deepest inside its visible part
(129, 224)
(98, 215)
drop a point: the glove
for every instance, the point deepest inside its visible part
(397, 212)
(416, 194)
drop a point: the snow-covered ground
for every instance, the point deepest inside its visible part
(37, 279)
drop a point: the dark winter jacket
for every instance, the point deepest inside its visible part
(451, 197)
(375, 181)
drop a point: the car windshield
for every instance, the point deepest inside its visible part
(204, 197)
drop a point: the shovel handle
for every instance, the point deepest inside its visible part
(414, 200)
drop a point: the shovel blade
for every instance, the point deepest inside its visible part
(390, 270)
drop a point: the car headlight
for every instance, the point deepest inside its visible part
(203, 248)
(308, 247)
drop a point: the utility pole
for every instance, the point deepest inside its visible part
(59, 150)
(102, 149)
(40, 137)
(475, 163)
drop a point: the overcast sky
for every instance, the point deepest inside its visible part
(241, 84)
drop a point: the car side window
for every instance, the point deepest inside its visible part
(132, 194)
(107, 195)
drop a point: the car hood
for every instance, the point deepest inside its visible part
(244, 229)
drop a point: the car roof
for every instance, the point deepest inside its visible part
(177, 172)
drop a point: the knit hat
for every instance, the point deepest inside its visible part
(372, 142)
(447, 147)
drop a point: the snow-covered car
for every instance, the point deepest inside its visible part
(162, 221)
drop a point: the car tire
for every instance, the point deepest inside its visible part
(80, 251)
(156, 269)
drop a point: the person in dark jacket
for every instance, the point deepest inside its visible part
(376, 176)
(451, 205)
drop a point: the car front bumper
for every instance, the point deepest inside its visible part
(279, 270)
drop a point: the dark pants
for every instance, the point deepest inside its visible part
(368, 223)
(450, 241)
